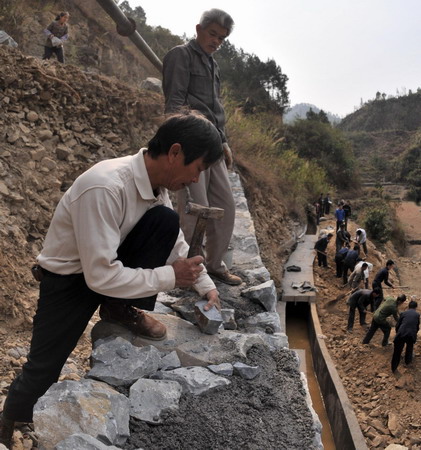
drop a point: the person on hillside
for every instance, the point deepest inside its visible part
(361, 299)
(347, 209)
(350, 260)
(388, 308)
(358, 276)
(114, 242)
(382, 276)
(321, 202)
(321, 249)
(191, 78)
(406, 334)
(327, 202)
(361, 239)
(367, 271)
(339, 260)
(342, 237)
(57, 33)
(340, 216)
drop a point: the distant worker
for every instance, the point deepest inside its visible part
(347, 209)
(321, 247)
(388, 308)
(342, 237)
(327, 202)
(340, 216)
(383, 276)
(57, 33)
(361, 239)
(191, 78)
(406, 333)
(339, 260)
(358, 276)
(321, 202)
(361, 299)
(351, 259)
(367, 271)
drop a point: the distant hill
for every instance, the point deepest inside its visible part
(399, 113)
(383, 132)
(300, 110)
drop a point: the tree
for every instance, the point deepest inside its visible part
(318, 141)
(260, 85)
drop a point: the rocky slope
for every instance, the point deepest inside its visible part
(94, 43)
(55, 122)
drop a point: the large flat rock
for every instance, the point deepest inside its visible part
(192, 346)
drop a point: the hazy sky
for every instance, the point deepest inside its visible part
(334, 52)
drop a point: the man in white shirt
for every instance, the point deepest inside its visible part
(361, 239)
(114, 241)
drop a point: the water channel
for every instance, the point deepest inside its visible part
(297, 316)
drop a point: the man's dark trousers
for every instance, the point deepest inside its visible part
(321, 259)
(66, 305)
(373, 328)
(399, 344)
(351, 314)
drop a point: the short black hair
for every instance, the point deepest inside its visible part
(197, 136)
(356, 247)
(364, 264)
(390, 262)
(401, 298)
(413, 304)
(377, 291)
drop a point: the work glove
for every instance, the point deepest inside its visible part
(227, 155)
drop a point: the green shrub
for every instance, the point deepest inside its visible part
(378, 224)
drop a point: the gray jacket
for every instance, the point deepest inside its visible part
(191, 78)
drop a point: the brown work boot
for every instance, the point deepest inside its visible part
(137, 321)
(6, 431)
(226, 277)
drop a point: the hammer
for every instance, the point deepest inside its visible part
(207, 321)
(203, 213)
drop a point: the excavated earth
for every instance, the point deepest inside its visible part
(55, 122)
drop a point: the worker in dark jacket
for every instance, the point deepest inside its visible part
(339, 260)
(360, 299)
(351, 258)
(321, 246)
(387, 309)
(406, 333)
(382, 276)
(342, 237)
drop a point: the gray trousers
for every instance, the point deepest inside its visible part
(213, 189)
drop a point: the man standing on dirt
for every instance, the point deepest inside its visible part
(383, 276)
(339, 260)
(361, 239)
(114, 242)
(360, 299)
(321, 248)
(350, 260)
(340, 216)
(357, 276)
(191, 79)
(406, 334)
(342, 237)
(388, 308)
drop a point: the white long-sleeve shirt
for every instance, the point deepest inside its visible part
(361, 238)
(94, 217)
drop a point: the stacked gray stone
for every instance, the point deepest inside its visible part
(154, 373)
